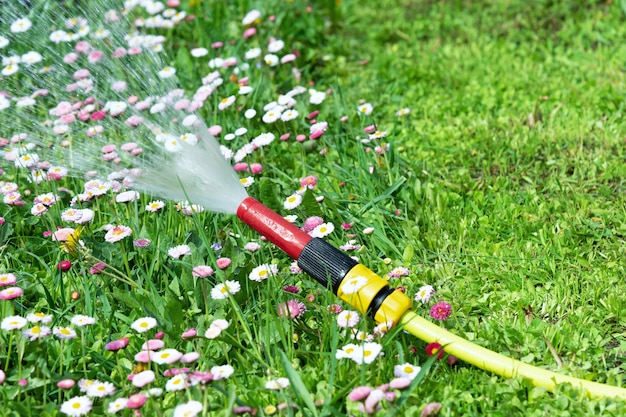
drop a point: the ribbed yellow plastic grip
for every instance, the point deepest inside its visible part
(359, 288)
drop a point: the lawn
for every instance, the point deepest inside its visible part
(470, 153)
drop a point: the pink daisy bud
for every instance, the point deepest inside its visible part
(202, 271)
(117, 344)
(64, 265)
(248, 33)
(215, 130)
(359, 393)
(189, 333)
(222, 263)
(241, 167)
(136, 401)
(66, 383)
(256, 168)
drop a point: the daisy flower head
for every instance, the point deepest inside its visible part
(177, 251)
(77, 406)
(348, 351)
(117, 233)
(291, 309)
(365, 109)
(348, 319)
(199, 52)
(117, 405)
(441, 311)
(247, 181)
(398, 272)
(369, 352)
(143, 324)
(222, 372)
(101, 389)
(403, 112)
(292, 201)
(226, 102)
(189, 409)
(322, 230)
(424, 293)
(7, 279)
(251, 18)
(177, 383)
(277, 384)
(155, 206)
(271, 60)
(166, 356)
(353, 284)
(406, 370)
(39, 317)
(13, 323)
(21, 25)
(262, 272)
(81, 320)
(167, 72)
(225, 289)
(36, 332)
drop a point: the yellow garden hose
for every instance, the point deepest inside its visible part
(497, 363)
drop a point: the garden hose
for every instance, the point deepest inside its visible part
(372, 295)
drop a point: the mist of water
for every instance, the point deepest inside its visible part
(180, 159)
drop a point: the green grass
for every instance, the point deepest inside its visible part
(503, 189)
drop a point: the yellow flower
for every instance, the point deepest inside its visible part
(72, 243)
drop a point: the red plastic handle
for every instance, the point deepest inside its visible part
(288, 237)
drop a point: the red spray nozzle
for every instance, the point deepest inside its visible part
(288, 237)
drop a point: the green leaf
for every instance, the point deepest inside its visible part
(296, 382)
(407, 255)
(310, 205)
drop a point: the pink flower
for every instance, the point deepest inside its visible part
(223, 263)
(61, 235)
(64, 265)
(202, 271)
(248, 33)
(256, 168)
(142, 243)
(311, 223)
(285, 136)
(291, 309)
(95, 56)
(97, 268)
(66, 383)
(117, 344)
(22, 382)
(7, 279)
(189, 333)
(359, 393)
(11, 293)
(215, 130)
(370, 129)
(431, 409)
(2, 376)
(441, 311)
(117, 233)
(136, 401)
(399, 383)
(313, 114)
(309, 181)
(190, 357)
(372, 400)
(143, 378)
(241, 167)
